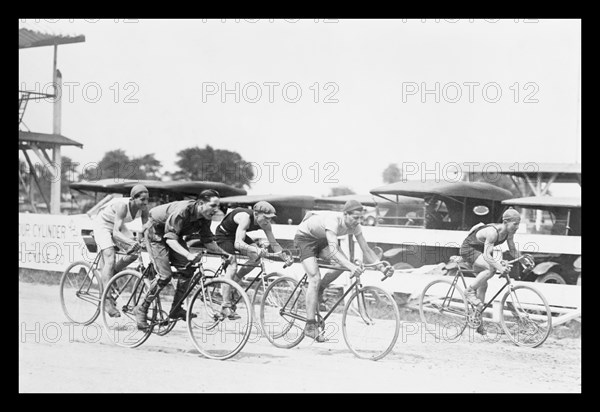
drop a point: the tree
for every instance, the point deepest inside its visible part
(213, 165)
(340, 191)
(116, 164)
(392, 174)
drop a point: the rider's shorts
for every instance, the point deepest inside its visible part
(309, 247)
(227, 243)
(469, 254)
(103, 237)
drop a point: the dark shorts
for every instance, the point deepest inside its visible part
(309, 247)
(227, 243)
(469, 254)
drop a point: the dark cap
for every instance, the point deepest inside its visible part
(352, 205)
(264, 207)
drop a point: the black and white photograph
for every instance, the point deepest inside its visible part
(313, 205)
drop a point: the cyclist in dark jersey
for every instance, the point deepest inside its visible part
(231, 236)
(477, 249)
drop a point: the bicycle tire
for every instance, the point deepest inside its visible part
(530, 323)
(188, 299)
(80, 294)
(259, 290)
(127, 287)
(443, 309)
(375, 308)
(213, 336)
(283, 331)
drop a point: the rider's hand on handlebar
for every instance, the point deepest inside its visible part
(355, 270)
(191, 256)
(504, 269)
(133, 248)
(527, 261)
(229, 258)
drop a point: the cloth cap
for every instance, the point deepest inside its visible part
(264, 207)
(511, 214)
(352, 205)
(137, 189)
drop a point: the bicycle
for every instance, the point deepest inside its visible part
(81, 289)
(525, 315)
(214, 335)
(257, 287)
(370, 317)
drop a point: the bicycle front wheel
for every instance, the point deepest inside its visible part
(371, 323)
(214, 335)
(126, 289)
(526, 317)
(80, 292)
(443, 309)
(283, 313)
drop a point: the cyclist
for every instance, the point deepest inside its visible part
(164, 232)
(231, 237)
(477, 249)
(110, 230)
(317, 236)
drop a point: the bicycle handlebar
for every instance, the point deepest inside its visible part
(509, 263)
(388, 267)
(204, 252)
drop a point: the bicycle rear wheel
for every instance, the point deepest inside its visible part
(526, 316)
(443, 309)
(283, 313)
(371, 323)
(80, 292)
(214, 335)
(126, 288)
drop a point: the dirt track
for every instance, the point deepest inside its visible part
(56, 357)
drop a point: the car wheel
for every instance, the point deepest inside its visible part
(551, 277)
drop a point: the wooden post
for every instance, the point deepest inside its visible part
(56, 129)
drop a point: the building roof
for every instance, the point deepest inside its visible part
(46, 139)
(31, 35)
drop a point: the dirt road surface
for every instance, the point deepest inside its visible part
(55, 356)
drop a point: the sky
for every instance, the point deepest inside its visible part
(315, 104)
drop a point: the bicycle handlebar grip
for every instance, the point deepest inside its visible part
(195, 260)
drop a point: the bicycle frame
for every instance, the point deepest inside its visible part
(355, 286)
(460, 274)
(259, 277)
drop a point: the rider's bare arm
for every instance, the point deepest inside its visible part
(271, 238)
(512, 248)
(145, 214)
(489, 237)
(338, 256)
(243, 221)
(119, 226)
(368, 255)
